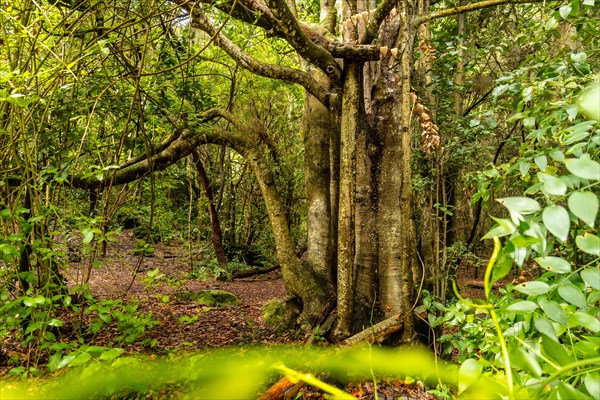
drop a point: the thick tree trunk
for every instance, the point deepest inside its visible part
(350, 125)
(303, 285)
(318, 125)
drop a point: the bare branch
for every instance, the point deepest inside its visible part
(419, 19)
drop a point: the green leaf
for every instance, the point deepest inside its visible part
(557, 155)
(34, 301)
(468, 374)
(502, 267)
(505, 227)
(567, 391)
(553, 310)
(518, 206)
(541, 162)
(592, 384)
(591, 276)
(522, 307)
(111, 354)
(543, 325)
(572, 294)
(564, 11)
(585, 206)
(88, 235)
(556, 351)
(589, 243)
(522, 205)
(589, 98)
(523, 359)
(524, 168)
(55, 322)
(533, 287)
(552, 184)
(556, 219)
(81, 359)
(54, 360)
(585, 168)
(579, 318)
(554, 264)
(65, 361)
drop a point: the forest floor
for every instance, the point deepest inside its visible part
(181, 325)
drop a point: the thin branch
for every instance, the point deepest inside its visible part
(419, 19)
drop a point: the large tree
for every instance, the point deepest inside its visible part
(357, 74)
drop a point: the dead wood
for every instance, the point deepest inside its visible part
(282, 389)
(252, 272)
(376, 332)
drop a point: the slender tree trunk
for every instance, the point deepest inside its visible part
(216, 236)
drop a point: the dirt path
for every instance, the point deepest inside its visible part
(183, 324)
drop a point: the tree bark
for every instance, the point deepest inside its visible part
(216, 236)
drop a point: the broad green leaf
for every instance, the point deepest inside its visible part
(585, 168)
(552, 184)
(554, 264)
(505, 227)
(543, 325)
(567, 391)
(556, 219)
(553, 310)
(524, 168)
(556, 351)
(592, 384)
(591, 276)
(524, 241)
(34, 301)
(564, 11)
(522, 307)
(557, 155)
(529, 122)
(88, 235)
(81, 359)
(579, 318)
(519, 254)
(111, 354)
(589, 243)
(533, 287)
(523, 359)
(66, 360)
(54, 360)
(517, 329)
(585, 206)
(541, 162)
(468, 374)
(589, 100)
(502, 267)
(55, 322)
(590, 3)
(522, 205)
(572, 294)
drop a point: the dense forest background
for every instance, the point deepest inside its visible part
(373, 153)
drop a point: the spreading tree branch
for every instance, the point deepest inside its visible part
(419, 19)
(200, 21)
(297, 38)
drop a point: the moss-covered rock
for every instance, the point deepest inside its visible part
(273, 312)
(213, 298)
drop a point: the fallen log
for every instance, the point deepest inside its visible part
(251, 272)
(376, 332)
